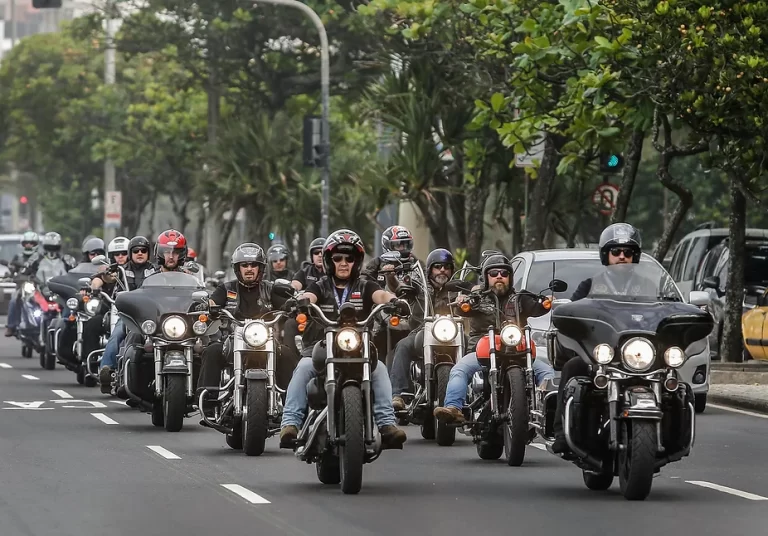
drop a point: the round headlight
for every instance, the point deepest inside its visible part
(28, 288)
(174, 327)
(92, 306)
(348, 339)
(72, 304)
(511, 335)
(148, 327)
(199, 327)
(674, 356)
(603, 354)
(445, 329)
(256, 334)
(638, 354)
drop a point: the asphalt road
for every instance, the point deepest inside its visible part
(66, 471)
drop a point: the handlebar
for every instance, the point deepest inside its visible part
(332, 323)
(241, 323)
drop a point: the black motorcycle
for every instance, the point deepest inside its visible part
(632, 415)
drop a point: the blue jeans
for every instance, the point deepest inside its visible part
(109, 359)
(14, 312)
(295, 409)
(462, 372)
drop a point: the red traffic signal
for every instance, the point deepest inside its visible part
(23, 200)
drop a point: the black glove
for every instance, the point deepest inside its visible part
(405, 291)
(402, 306)
(289, 305)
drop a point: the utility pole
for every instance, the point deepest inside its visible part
(13, 23)
(110, 230)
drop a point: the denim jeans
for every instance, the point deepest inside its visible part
(410, 347)
(14, 312)
(295, 410)
(109, 359)
(462, 372)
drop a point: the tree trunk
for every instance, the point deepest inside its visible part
(634, 154)
(475, 200)
(435, 215)
(731, 347)
(538, 209)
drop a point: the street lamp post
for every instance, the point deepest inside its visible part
(109, 78)
(325, 97)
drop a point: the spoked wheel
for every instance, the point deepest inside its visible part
(352, 449)
(637, 461)
(516, 429)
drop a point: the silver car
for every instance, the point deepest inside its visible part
(533, 270)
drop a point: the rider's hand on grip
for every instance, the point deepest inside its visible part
(303, 304)
(289, 305)
(402, 307)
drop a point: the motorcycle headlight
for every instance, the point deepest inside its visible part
(255, 334)
(348, 340)
(511, 335)
(445, 329)
(603, 354)
(91, 306)
(674, 356)
(174, 327)
(638, 354)
(72, 303)
(148, 327)
(199, 327)
(28, 288)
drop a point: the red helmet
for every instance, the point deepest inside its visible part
(168, 241)
(191, 254)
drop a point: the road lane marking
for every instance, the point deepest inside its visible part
(5, 365)
(103, 418)
(725, 489)
(26, 405)
(62, 394)
(120, 402)
(539, 446)
(29, 377)
(165, 453)
(734, 410)
(248, 495)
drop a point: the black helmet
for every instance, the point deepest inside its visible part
(494, 261)
(248, 252)
(94, 245)
(395, 237)
(442, 256)
(617, 235)
(317, 243)
(277, 252)
(343, 241)
(138, 242)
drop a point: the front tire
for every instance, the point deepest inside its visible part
(352, 449)
(516, 430)
(174, 402)
(256, 418)
(446, 435)
(637, 462)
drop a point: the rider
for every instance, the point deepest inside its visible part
(313, 270)
(92, 247)
(620, 243)
(496, 275)
(277, 255)
(248, 296)
(29, 243)
(343, 255)
(51, 262)
(394, 238)
(117, 250)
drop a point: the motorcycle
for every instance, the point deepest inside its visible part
(33, 307)
(633, 415)
(166, 318)
(339, 434)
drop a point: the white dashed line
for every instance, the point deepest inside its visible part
(62, 394)
(119, 402)
(103, 418)
(539, 446)
(734, 410)
(725, 489)
(5, 365)
(29, 377)
(165, 453)
(248, 495)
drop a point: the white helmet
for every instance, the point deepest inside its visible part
(117, 245)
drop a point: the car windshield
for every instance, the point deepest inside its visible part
(8, 249)
(645, 283)
(172, 279)
(756, 266)
(572, 271)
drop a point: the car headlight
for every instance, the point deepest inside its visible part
(148, 327)
(511, 335)
(638, 354)
(91, 306)
(348, 340)
(445, 329)
(674, 356)
(256, 334)
(174, 327)
(72, 304)
(28, 288)
(199, 327)
(603, 354)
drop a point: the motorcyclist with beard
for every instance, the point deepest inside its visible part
(29, 243)
(248, 296)
(440, 268)
(343, 254)
(496, 275)
(277, 257)
(620, 244)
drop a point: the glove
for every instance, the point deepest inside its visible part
(402, 306)
(289, 305)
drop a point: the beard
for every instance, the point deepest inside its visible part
(500, 288)
(440, 279)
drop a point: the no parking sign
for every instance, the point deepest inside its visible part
(604, 198)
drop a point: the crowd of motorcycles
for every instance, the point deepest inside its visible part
(626, 420)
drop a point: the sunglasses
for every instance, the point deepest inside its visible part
(339, 257)
(120, 254)
(497, 273)
(317, 252)
(140, 250)
(249, 264)
(442, 266)
(628, 253)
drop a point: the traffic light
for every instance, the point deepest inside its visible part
(271, 236)
(611, 163)
(46, 4)
(23, 200)
(23, 207)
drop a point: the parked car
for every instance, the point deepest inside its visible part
(533, 270)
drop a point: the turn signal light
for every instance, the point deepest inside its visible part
(86, 299)
(72, 318)
(302, 327)
(546, 304)
(465, 307)
(203, 318)
(301, 318)
(394, 321)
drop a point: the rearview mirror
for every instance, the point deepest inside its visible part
(99, 260)
(558, 285)
(219, 274)
(711, 282)
(281, 281)
(283, 289)
(84, 282)
(390, 257)
(200, 295)
(698, 298)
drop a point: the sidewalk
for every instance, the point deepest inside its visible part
(740, 385)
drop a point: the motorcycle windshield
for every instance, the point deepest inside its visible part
(173, 280)
(67, 285)
(632, 300)
(153, 302)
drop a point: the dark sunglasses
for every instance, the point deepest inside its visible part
(120, 253)
(140, 250)
(628, 253)
(497, 273)
(317, 252)
(249, 264)
(442, 266)
(339, 257)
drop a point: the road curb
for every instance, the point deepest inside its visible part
(751, 404)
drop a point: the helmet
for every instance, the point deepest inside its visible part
(317, 243)
(191, 254)
(51, 243)
(397, 238)
(170, 241)
(248, 252)
(617, 235)
(343, 241)
(117, 245)
(94, 245)
(30, 237)
(494, 261)
(440, 256)
(138, 242)
(277, 252)
(83, 247)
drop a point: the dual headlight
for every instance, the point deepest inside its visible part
(92, 306)
(28, 288)
(174, 327)
(445, 330)
(638, 354)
